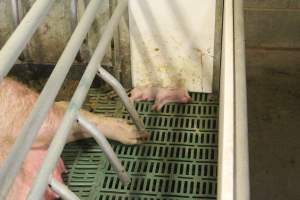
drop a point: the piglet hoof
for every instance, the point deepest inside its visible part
(134, 137)
(119, 130)
(157, 106)
(135, 95)
(143, 136)
(143, 94)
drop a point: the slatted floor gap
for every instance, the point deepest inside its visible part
(178, 162)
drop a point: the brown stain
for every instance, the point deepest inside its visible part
(198, 50)
(45, 28)
(156, 49)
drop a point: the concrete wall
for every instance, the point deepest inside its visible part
(52, 35)
(273, 76)
(273, 24)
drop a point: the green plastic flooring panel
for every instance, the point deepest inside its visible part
(178, 162)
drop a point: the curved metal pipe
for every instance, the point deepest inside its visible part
(62, 190)
(106, 148)
(118, 88)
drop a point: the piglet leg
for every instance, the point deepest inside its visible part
(113, 128)
(143, 93)
(170, 95)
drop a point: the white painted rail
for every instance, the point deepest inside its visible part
(233, 168)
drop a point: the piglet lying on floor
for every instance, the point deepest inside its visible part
(161, 95)
(16, 102)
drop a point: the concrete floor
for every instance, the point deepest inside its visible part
(274, 124)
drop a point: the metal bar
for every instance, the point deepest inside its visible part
(106, 148)
(116, 45)
(62, 190)
(241, 120)
(217, 48)
(74, 17)
(17, 16)
(15, 12)
(17, 41)
(115, 84)
(226, 115)
(33, 123)
(77, 100)
(74, 22)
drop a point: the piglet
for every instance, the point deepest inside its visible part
(16, 102)
(143, 93)
(161, 95)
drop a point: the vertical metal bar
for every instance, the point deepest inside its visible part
(61, 136)
(74, 22)
(30, 129)
(106, 148)
(241, 119)
(115, 84)
(217, 48)
(116, 46)
(62, 190)
(226, 115)
(16, 5)
(17, 41)
(74, 17)
(15, 12)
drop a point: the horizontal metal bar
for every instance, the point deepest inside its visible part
(18, 40)
(40, 110)
(106, 148)
(118, 88)
(226, 114)
(77, 100)
(62, 190)
(242, 180)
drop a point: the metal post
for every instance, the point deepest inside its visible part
(45, 101)
(241, 121)
(15, 12)
(62, 190)
(115, 84)
(18, 40)
(106, 148)
(74, 17)
(217, 49)
(17, 16)
(226, 115)
(116, 44)
(61, 136)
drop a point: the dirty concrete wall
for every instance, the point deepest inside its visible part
(52, 35)
(272, 26)
(273, 78)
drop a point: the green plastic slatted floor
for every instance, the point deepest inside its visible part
(179, 161)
